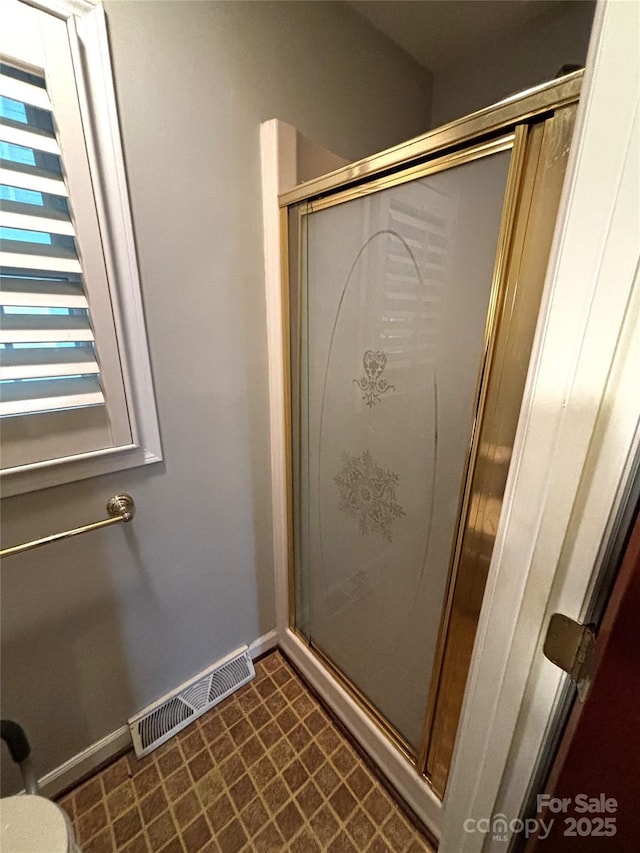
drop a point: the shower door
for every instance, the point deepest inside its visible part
(402, 299)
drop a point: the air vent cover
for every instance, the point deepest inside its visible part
(160, 721)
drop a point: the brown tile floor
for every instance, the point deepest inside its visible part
(266, 770)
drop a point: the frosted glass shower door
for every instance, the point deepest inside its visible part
(396, 288)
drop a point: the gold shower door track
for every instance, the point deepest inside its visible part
(538, 125)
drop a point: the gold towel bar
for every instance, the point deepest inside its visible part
(119, 507)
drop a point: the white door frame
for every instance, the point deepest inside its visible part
(576, 438)
(576, 441)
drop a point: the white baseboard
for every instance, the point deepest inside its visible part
(81, 765)
(263, 644)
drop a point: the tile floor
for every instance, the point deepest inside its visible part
(266, 770)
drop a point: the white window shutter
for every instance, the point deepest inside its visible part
(76, 395)
(47, 353)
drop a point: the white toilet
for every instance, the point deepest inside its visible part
(33, 824)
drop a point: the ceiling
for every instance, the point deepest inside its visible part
(439, 32)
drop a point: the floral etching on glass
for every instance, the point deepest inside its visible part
(373, 383)
(368, 494)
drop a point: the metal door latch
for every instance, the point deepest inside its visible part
(571, 646)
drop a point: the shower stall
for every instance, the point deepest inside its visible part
(412, 286)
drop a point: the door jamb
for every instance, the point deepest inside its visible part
(575, 449)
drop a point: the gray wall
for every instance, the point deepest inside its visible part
(525, 57)
(95, 628)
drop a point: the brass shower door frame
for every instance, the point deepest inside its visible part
(538, 126)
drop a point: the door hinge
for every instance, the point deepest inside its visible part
(571, 646)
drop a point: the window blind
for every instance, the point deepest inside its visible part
(47, 350)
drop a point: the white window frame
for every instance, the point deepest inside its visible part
(86, 26)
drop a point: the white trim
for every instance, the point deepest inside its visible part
(577, 434)
(278, 162)
(114, 212)
(84, 763)
(281, 149)
(64, 8)
(92, 69)
(266, 643)
(79, 467)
